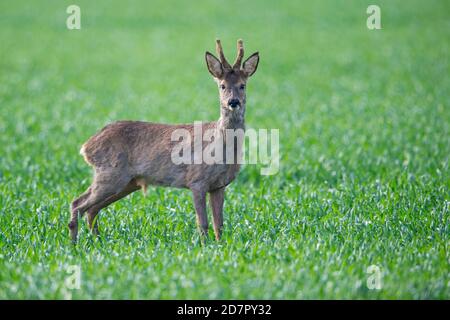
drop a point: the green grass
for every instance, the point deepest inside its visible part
(364, 126)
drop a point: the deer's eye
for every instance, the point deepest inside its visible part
(222, 87)
(242, 87)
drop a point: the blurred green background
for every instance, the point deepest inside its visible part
(364, 141)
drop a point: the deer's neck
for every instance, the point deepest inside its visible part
(232, 123)
(231, 119)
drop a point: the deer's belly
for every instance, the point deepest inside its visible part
(208, 177)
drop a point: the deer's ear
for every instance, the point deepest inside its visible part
(251, 64)
(214, 65)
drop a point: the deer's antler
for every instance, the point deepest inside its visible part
(219, 50)
(240, 55)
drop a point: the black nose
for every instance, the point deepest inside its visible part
(234, 103)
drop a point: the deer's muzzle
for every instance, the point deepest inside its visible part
(233, 103)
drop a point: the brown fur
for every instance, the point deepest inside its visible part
(129, 155)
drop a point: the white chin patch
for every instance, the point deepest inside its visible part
(233, 109)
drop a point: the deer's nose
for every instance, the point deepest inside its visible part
(234, 103)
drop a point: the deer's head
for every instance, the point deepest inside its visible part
(231, 80)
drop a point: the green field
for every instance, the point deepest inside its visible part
(364, 126)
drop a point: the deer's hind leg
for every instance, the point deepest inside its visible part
(106, 185)
(78, 201)
(93, 211)
(73, 224)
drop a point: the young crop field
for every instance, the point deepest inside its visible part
(362, 191)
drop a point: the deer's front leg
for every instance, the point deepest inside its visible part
(216, 201)
(200, 208)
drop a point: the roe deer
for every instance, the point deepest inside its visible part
(129, 155)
